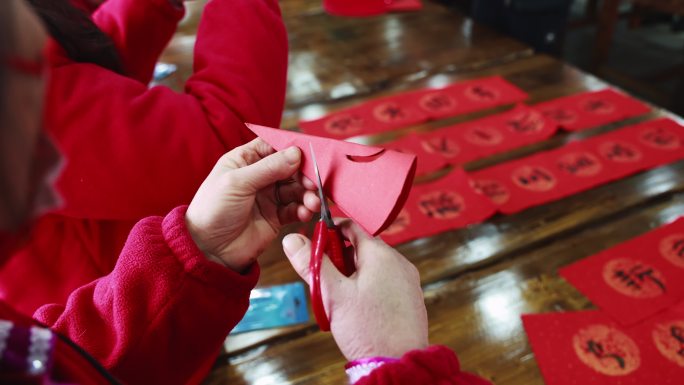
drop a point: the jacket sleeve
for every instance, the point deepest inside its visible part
(162, 313)
(132, 151)
(436, 365)
(140, 29)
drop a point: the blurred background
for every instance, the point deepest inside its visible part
(637, 45)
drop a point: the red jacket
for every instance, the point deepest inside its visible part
(436, 365)
(134, 151)
(161, 313)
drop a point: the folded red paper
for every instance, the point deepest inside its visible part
(414, 107)
(591, 109)
(586, 347)
(636, 279)
(578, 166)
(477, 139)
(369, 184)
(432, 208)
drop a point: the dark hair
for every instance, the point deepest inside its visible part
(83, 41)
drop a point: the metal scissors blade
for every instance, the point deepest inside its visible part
(325, 212)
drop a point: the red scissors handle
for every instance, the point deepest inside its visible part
(326, 241)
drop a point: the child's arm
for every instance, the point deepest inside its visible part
(140, 29)
(133, 151)
(162, 313)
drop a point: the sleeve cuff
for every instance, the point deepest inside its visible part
(434, 365)
(197, 265)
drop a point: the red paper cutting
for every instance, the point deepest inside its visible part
(663, 337)
(414, 107)
(578, 166)
(432, 208)
(466, 142)
(466, 96)
(636, 279)
(371, 117)
(369, 184)
(404, 5)
(591, 109)
(586, 347)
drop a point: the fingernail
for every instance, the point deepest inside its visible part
(292, 243)
(292, 155)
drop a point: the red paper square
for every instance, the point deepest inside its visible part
(578, 166)
(428, 161)
(498, 133)
(466, 142)
(372, 117)
(589, 348)
(663, 339)
(478, 94)
(410, 108)
(591, 109)
(446, 204)
(636, 279)
(527, 182)
(654, 142)
(403, 5)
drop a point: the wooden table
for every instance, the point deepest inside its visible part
(479, 280)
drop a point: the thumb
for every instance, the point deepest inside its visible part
(297, 248)
(267, 171)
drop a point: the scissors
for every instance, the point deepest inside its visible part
(327, 240)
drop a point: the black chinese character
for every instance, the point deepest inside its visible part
(440, 206)
(344, 123)
(637, 276)
(483, 92)
(678, 247)
(524, 124)
(536, 176)
(619, 151)
(393, 112)
(437, 102)
(440, 145)
(580, 163)
(659, 137)
(596, 348)
(678, 334)
(595, 105)
(559, 115)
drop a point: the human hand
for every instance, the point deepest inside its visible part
(377, 311)
(235, 213)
